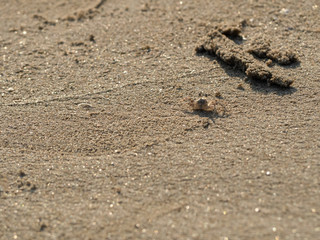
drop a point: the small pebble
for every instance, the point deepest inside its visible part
(218, 95)
(269, 62)
(240, 87)
(91, 38)
(85, 106)
(284, 11)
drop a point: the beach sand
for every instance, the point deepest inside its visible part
(97, 142)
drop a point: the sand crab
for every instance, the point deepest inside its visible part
(202, 104)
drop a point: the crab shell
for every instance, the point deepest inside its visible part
(202, 104)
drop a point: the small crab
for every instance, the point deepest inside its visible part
(202, 104)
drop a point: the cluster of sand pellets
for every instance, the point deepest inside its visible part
(220, 42)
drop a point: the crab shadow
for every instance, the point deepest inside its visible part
(212, 116)
(255, 84)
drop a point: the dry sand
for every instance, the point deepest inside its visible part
(97, 143)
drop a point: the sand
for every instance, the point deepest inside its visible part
(96, 141)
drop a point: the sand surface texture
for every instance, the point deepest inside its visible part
(98, 142)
